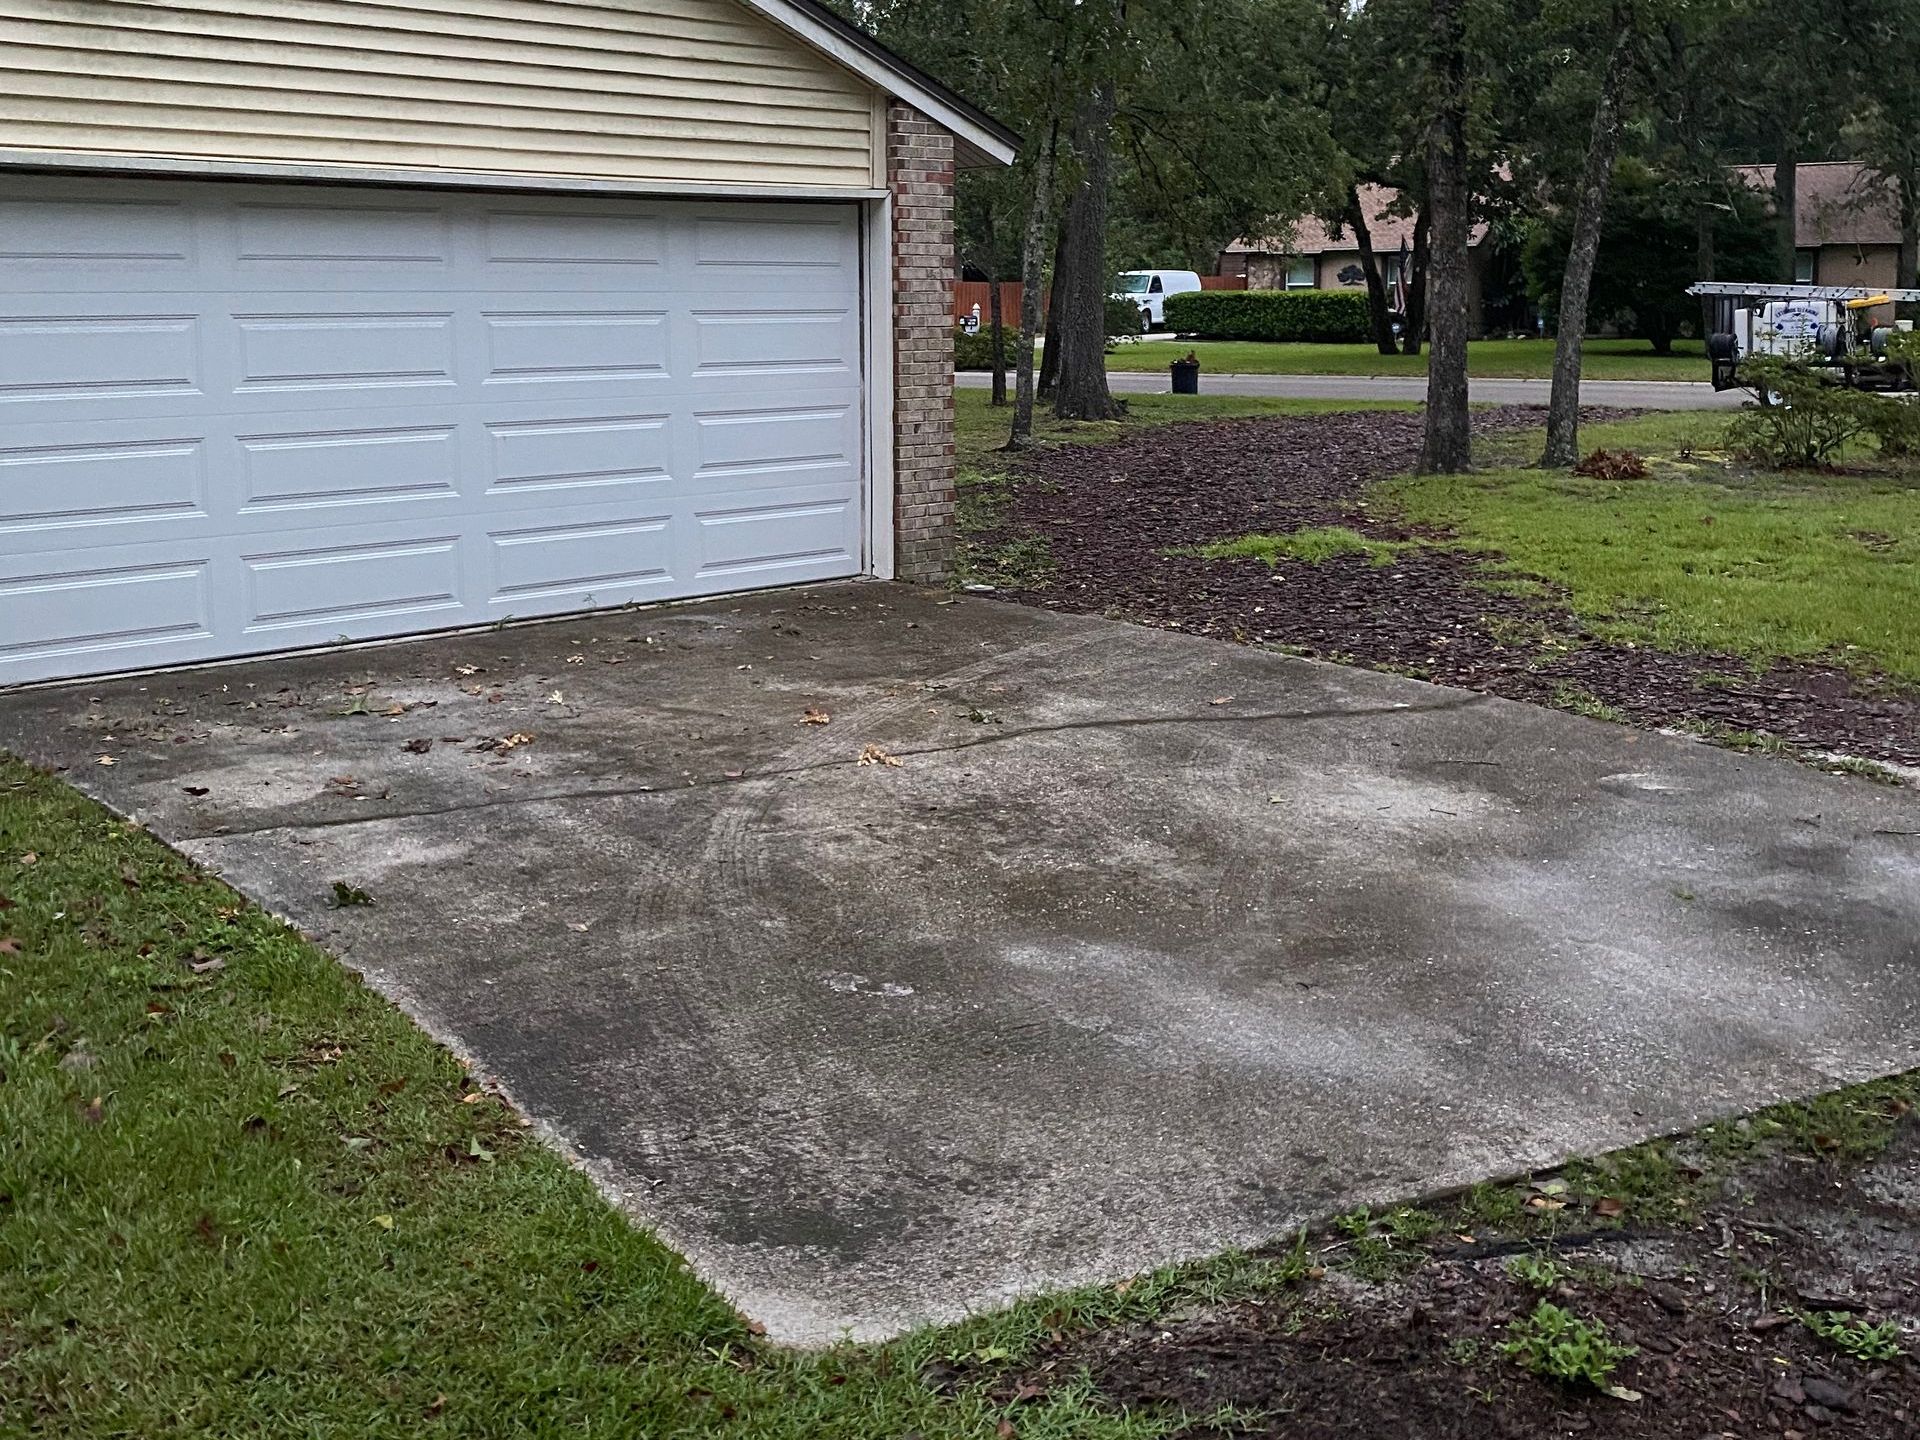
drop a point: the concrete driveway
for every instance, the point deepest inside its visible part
(1148, 945)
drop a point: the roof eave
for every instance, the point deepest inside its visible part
(980, 140)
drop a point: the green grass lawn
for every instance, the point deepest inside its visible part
(1705, 553)
(1489, 359)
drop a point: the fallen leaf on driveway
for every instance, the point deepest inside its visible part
(193, 789)
(576, 659)
(466, 669)
(556, 698)
(1221, 700)
(816, 717)
(580, 925)
(417, 746)
(106, 760)
(874, 755)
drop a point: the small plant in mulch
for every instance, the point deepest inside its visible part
(1539, 1272)
(1612, 465)
(1556, 1344)
(1851, 1335)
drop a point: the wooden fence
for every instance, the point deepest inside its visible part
(969, 293)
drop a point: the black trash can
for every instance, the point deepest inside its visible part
(1186, 376)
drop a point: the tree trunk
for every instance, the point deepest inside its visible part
(1082, 392)
(1603, 148)
(1377, 311)
(1786, 205)
(1448, 448)
(1416, 316)
(995, 317)
(1050, 356)
(1705, 254)
(1033, 251)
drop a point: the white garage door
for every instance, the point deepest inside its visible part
(237, 418)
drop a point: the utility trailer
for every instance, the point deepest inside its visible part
(1826, 326)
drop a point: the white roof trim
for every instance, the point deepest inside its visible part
(990, 143)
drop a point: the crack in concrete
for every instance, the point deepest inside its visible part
(1124, 722)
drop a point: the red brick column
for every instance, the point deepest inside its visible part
(920, 175)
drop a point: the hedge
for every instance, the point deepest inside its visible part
(975, 352)
(1316, 316)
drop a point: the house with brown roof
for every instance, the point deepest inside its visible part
(1311, 254)
(1846, 223)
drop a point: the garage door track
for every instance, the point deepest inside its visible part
(894, 954)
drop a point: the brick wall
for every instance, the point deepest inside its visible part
(920, 175)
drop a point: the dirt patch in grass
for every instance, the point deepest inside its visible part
(1121, 525)
(1707, 1283)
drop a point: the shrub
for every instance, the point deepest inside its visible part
(1802, 418)
(1557, 1345)
(1895, 423)
(1316, 316)
(1124, 318)
(975, 352)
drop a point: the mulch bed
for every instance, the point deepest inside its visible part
(1109, 512)
(1711, 1307)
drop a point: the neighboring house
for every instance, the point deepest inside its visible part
(1846, 223)
(343, 320)
(1311, 255)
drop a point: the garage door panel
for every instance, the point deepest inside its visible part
(75, 240)
(764, 341)
(550, 459)
(274, 241)
(72, 611)
(322, 584)
(354, 465)
(540, 346)
(602, 555)
(48, 488)
(242, 418)
(789, 534)
(521, 244)
(67, 354)
(345, 350)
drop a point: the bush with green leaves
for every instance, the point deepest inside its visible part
(1895, 423)
(1124, 318)
(1313, 316)
(975, 352)
(1802, 418)
(1556, 1344)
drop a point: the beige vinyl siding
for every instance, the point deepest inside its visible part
(685, 91)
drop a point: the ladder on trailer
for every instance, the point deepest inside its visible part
(1734, 289)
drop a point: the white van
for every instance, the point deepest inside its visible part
(1149, 290)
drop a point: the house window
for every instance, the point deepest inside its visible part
(1390, 271)
(1300, 274)
(1805, 262)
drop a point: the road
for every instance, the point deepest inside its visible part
(1633, 394)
